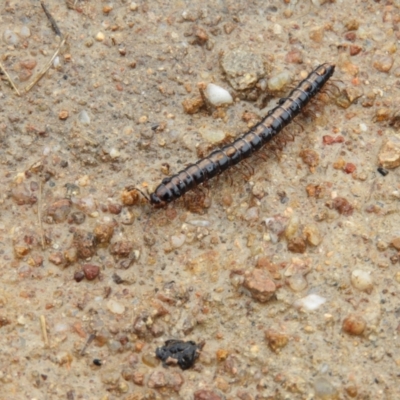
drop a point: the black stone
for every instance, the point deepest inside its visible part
(185, 353)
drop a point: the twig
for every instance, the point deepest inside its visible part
(44, 331)
(53, 23)
(90, 340)
(40, 75)
(40, 213)
(9, 79)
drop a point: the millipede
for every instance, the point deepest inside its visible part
(220, 160)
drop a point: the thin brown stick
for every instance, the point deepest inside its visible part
(53, 22)
(40, 214)
(40, 75)
(9, 79)
(91, 337)
(44, 330)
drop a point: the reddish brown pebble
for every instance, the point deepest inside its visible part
(383, 63)
(354, 49)
(382, 114)
(349, 168)
(28, 64)
(297, 245)
(78, 276)
(114, 208)
(276, 341)
(294, 56)
(59, 210)
(354, 324)
(327, 139)
(130, 196)
(342, 206)
(56, 258)
(91, 271)
(350, 36)
(206, 395)
(63, 115)
(260, 285)
(201, 35)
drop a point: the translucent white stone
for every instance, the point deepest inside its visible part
(217, 95)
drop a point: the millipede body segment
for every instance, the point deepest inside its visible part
(220, 160)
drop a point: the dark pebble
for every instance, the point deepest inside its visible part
(179, 352)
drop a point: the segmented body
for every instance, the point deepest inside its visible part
(220, 160)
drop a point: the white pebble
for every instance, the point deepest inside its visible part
(10, 37)
(24, 32)
(310, 302)
(297, 282)
(100, 36)
(364, 127)
(177, 240)
(115, 307)
(56, 62)
(277, 82)
(217, 95)
(199, 222)
(277, 29)
(133, 6)
(84, 117)
(361, 280)
(212, 135)
(114, 153)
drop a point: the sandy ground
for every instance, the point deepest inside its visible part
(90, 286)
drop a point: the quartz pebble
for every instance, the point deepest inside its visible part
(297, 282)
(324, 389)
(279, 81)
(115, 307)
(178, 240)
(362, 280)
(212, 135)
(10, 38)
(24, 32)
(84, 117)
(217, 95)
(310, 302)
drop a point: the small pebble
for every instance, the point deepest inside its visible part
(278, 82)
(310, 302)
(10, 38)
(133, 6)
(84, 118)
(324, 390)
(362, 280)
(212, 135)
(115, 307)
(354, 324)
(63, 115)
(178, 240)
(276, 340)
(383, 63)
(217, 95)
(389, 154)
(297, 282)
(91, 271)
(260, 285)
(24, 32)
(100, 36)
